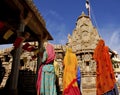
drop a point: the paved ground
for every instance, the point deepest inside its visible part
(92, 91)
(89, 92)
(84, 92)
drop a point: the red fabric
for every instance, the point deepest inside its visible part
(39, 80)
(34, 57)
(26, 46)
(17, 42)
(31, 48)
(1, 25)
(72, 90)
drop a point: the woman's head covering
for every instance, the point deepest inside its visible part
(50, 52)
(69, 50)
(67, 55)
(98, 52)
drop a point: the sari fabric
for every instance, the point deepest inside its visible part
(105, 79)
(70, 86)
(50, 52)
(38, 84)
(48, 86)
(46, 73)
(18, 42)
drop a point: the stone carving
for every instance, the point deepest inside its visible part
(83, 42)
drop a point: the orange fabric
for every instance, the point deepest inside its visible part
(105, 79)
(69, 74)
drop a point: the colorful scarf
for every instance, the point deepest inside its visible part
(50, 53)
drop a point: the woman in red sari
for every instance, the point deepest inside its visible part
(70, 86)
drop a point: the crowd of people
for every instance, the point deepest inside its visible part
(105, 76)
(47, 76)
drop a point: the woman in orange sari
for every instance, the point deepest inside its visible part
(70, 63)
(105, 80)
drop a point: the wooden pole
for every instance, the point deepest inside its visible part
(15, 69)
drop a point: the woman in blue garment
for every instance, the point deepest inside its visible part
(46, 74)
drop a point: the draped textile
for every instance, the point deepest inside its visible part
(70, 86)
(39, 80)
(79, 77)
(105, 79)
(44, 69)
(48, 80)
(1, 25)
(50, 53)
(113, 91)
(18, 42)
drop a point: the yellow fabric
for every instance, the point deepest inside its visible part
(8, 34)
(56, 66)
(70, 69)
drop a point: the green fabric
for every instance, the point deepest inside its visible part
(44, 56)
(48, 86)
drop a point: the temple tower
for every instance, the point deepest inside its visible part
(83, 42)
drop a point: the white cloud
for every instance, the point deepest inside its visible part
(115, 40)
(50, 14)
(111, 35)
(56, 26)
(58, 31)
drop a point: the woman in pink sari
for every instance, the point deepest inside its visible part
(46, 74)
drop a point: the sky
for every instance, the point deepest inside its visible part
(61, 16)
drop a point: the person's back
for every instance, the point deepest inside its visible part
(105, 79)
(70, 85)
(46, 74)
